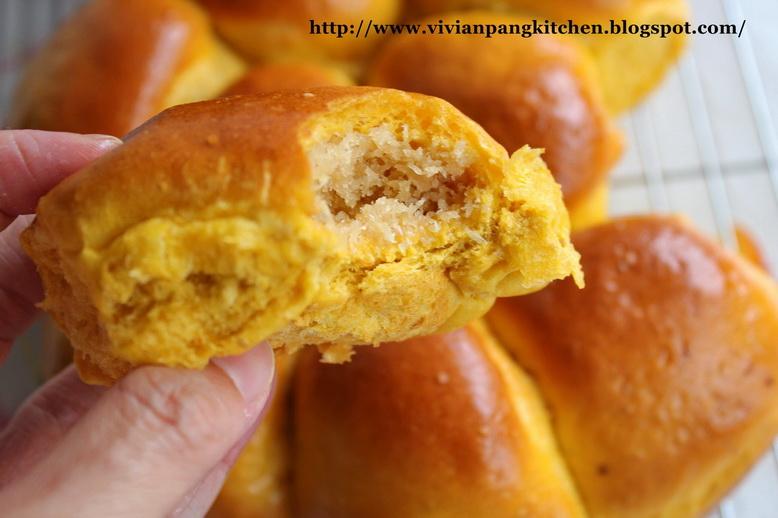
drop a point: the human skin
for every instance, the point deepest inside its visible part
(157, 443)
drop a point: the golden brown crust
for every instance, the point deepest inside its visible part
(540, 91)
(199, 236)
(116, 63)
(661, 374)
(287, 76)
(280, 29)
(628, 67)
(442, 425)
(193, 148)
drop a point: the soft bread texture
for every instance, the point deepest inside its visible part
(541, 91)
(116, 63)
(273, 30)
(441, 426)
(660, 376)
(272, 77)
(336, 217)
(629, 67)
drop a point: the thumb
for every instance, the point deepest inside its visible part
(150, 440)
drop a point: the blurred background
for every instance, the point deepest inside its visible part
(705, 145)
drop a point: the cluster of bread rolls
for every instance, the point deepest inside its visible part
(648, 393)
(115, 64)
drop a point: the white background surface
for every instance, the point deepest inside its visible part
(704, 144)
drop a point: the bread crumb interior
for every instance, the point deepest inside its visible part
(385, 186)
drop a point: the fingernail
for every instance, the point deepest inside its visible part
(253, 373)
(105, 142)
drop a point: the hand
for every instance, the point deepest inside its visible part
(160, 441)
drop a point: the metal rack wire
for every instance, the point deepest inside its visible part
(706, 145)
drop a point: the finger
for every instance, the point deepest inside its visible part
(42, 422)
(20, 287)
(32, 162)
(200, 499)
(149, 440)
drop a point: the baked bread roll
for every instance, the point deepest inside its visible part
(629, 66)
(540, 91)
(116, 63)
(336, 217)
(441, 426)
(661, 374)
(271, 30)
(272, 77)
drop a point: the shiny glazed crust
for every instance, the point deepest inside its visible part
(540, 91)
(116, 63)
(268, 78)
(199, 236)
(661, 375)
(442, 426)
(280, 29)
(629, 67)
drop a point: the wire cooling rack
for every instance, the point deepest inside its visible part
(705, 144)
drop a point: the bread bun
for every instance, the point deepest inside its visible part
(116, 63)
(629, 66)
(335, 216)
(281, 29)
(442, 426)
(287, 76)
(541, 91)
(661, 374)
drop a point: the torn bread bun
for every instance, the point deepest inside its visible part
(338, 216)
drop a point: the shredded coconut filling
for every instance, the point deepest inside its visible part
(383, 185)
